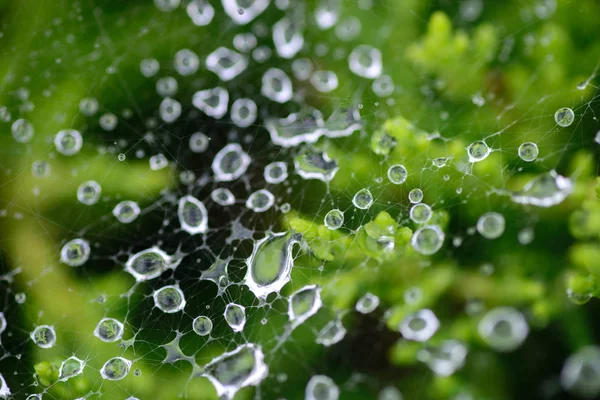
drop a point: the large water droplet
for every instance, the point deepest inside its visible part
(270, 264)
(544, 191)
(237, 369)
(192, 215)
(315, 164)
(226, 63)
(304, 303)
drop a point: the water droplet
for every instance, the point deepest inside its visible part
(528, 151)
(419, 326)
(545, 190)
(287, 37)
(260, 201)
(186, 62)
(243, 112)
(321, 387)
(44, 336)
(169, 299)
(115, 369)
(315, 164)
(580, 374)
(478, 151)
(397, 174)
(446, 358)
(40, 169)
(365, 61)
(149, 67)
(276, 172)
(68, 142)
(88, 106)
(324, 81)
(22, 131)
(503, 328)
(331, 333)
(226, 63)
(427, 240)
(230, 163)
(89, 192)
(237, 369)
(169, 110)
(212, 102)
(303, 304)
(383, 86)
(4, 389)
(202, 325)
(363, 199)
(270, 264)
(222, 196)
(327, 13)
(564, 117)
(199, 142)
(367, 303)
(235, 316)
(148, 264)
(334, 219)
(491, 225)
(305, 126)
(75, 252)
(109, 330)
(200, 12)
(193, 215)
(276, 85)
(244, 42)
(244, 12)
(167, 86)
(108, 122)
(302, 68)
(126, 211)
(420, 213)
(415, 196)
(70, 367)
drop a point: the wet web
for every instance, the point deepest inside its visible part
(219, 215)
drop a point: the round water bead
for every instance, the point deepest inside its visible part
(333, 332)
(415, 196)
(321, 387)
(528, 151)
(3, 323)
(397, 174)
(564, 117)
(390, 393)
(68, 142)
(40, 169)
(158, 162)
(169, 110)
(367, 303)
(200, 12)
(199, 142)
(192, 215)
(478, 151)
(108, 122)
(302, 68)
(109, 330)
(277, 86)
(186, 62)
(44, 336)
(503, 328)
(243, 112)
(260, 201)
(419, 326)
(149, 67)
(88, 106)
(334, 219)
(427, 240)
(126, 211)
(276, 172)
(235, 316)
(420, 213)
(167, 86)
(580, 374)
(222, 196)
(75, 252)
(22, 131)
(363, 199)
(169, 299)
(244, 42)
(202, 325)
(230, 163)
(70, 367)
(491, 225)
(147, 264)
(324, 81)
(383, 86)
(365, 61)
(446, 358)
(115, 369)
(89, 192)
